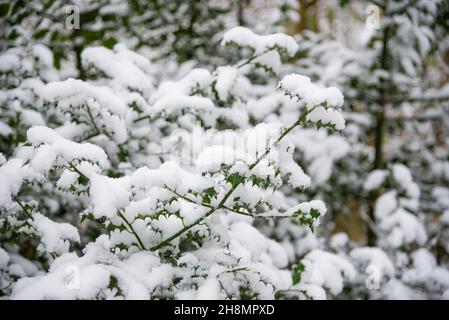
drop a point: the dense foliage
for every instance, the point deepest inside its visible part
(152, 154)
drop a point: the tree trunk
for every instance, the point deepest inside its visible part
(379, 137)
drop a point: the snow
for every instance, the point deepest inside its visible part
(321, 150)
(5, 130)
(167, 225)
(159, 275)
(142, 207)
(375, 257)
(54, 286)
(109, 195)
(54, 235)
(296, 176)
(139, 207)
(4, 259)
(118, 65)
(190, 212)
(43, 54)
(225, 79)
(76, 92)
(265, 106)
(305, 212)
(13, 174)
(339, 240)
(397, 290)
(32, 118)
(176, 103)
(441, 196)
(67, 179)
(385, 205)
(106, 148)
(404, 227)
(240, 149)
(375, 179)
(402, 175)
(301, 87)
(50, 146)
(171, 175)
(313, 291)
(210, 290)
(98, 107)
(88, 276)
(445, 217)
(426, 270)
(197, 79)
(9, 62)
(270, 61)
(248, 241)
(327, 270)
(24, 266)
(246, 38)
(306, 207)
(404, 178)
(321, 115)
(211, 159)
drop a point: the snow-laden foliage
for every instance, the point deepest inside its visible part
(164, 224)
(160, 152)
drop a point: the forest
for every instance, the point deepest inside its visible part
(224, 149)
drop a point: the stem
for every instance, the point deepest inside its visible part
(301, 120)
(167, 241)
(92, 135)
(92, 120)
(207, 205)
(227, 208)
(274, 217)
(142, 247)
(235, 270)
(180, 232)
(225, 291)
(75, 169)
(252, 58)
(24, 208)
(142, 118)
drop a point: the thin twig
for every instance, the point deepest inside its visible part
(244, 63)
(75, 169)
(92, 120)
(142, 118)
(142, 247)
(24, 208)
(207, 205)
